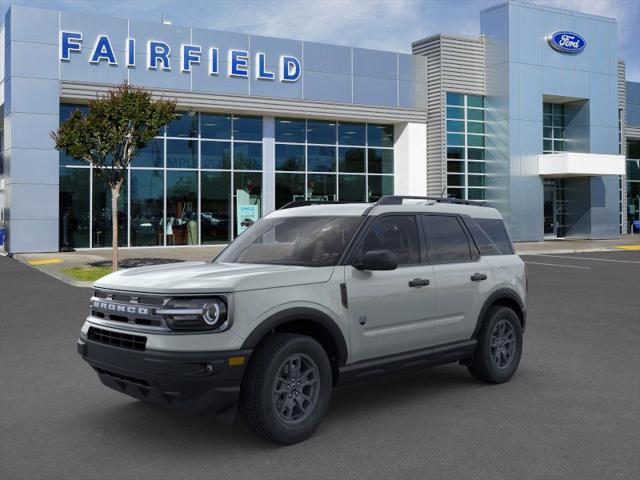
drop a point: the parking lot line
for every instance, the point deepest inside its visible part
(557, 265)
(589, 258)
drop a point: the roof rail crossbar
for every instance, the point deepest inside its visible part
(397, 200)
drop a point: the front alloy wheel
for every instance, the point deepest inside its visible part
(296, 389)
(286, 389)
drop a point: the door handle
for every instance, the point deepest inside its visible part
(477, 277)
(419, 282)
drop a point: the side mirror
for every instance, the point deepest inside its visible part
(377, 260)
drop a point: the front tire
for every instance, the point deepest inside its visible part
(287, 387)
(499, 346)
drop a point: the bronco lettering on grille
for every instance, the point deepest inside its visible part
(116, 307)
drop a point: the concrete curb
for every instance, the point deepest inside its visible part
(54, 274)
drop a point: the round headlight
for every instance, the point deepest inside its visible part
(215, 312)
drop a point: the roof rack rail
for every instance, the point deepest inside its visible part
(306, 203)
(397, 200)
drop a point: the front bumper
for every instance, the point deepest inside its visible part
(191, 380)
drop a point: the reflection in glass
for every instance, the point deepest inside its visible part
(74, 207)
(182, 206)
(454, 152)
(146, 198)
(320, 131)
(475, 101)
(290, 130)
(455, 167)
(182, 153)
(454, 112)
(215, 207)
(215, 126)
(290, 157)
(247, 156)
(101, 217)
(215, 155)
(455, 98)
(380, 161)
(455, 180)
(455, 139)
(247, 128)
(477, 115)
(289, 188)
(321, 159)
(352, 188)
(351, 160)
(184, 124)
(152, 155)
(455, 126)
(379, 185)
(351, 133)
(321, 188)
(379, 135)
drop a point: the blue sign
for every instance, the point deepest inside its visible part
(159, 57)
(567, 42)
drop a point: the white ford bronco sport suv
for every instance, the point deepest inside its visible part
(310, 297)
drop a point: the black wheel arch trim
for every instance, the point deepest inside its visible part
(495, 297)
(300, 314)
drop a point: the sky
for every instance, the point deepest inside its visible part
(378, 24)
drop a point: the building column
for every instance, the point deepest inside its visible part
(268, 165)
(410, 159)
(31, 113)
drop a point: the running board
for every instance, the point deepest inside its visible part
(428, 357)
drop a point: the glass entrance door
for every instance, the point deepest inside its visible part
(555, 208)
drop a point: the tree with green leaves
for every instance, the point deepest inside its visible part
(110, 135)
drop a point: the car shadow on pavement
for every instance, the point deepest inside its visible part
(149, 424)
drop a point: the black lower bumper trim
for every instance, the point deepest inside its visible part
(191, 380)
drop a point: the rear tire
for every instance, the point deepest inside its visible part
(286, 390)
(499, 346)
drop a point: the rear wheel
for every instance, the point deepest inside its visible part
(287, 388)
(499, 346)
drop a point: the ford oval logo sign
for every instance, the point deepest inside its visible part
(567, 42)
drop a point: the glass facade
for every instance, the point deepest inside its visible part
(332, 161)
(183, 188)
(187, 185)
(633, 182)
(552, 128)
(465, 130)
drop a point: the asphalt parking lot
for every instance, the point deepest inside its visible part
(571, 411)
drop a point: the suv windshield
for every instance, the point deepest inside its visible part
(304, 241)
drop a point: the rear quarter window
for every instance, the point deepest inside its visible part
(491, 236)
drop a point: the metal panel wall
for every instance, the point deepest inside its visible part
(454, 64)
(78, 91)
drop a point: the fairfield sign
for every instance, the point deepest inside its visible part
(159, 56)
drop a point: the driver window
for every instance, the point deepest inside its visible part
(397, 233)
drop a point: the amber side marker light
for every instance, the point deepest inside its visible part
(236, 361)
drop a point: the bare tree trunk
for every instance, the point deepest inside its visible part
(115, 193)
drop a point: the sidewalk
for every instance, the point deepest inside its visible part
(55, 264)
(626, 242)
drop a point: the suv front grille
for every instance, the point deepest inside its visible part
(117, 339)
(132, 309)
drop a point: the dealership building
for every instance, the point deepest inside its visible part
(533, 117)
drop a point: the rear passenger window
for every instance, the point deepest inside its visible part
(496, 231)
(447, 240)
(398, 233)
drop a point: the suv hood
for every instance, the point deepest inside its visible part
(205, 277)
